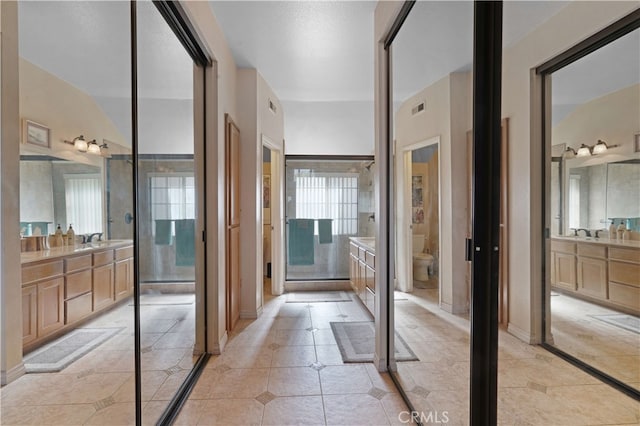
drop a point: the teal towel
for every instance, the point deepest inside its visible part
(324, 231)
(301, 242)
(185, 242)
(163, 232)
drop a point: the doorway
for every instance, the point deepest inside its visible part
(272, 218)
(232, 167)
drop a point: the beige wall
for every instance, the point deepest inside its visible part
(447, 116)
(255, 120)
(614, 118)
(68, 112)
(10, 283)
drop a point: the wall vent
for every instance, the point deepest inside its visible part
(418, 108)
(272, 106)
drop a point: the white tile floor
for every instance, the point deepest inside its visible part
(577, 331)
(98, 388)
(285, 368)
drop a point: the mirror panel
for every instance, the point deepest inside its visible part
(593, 297)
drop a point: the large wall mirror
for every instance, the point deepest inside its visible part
(431, 61)
(593, 297)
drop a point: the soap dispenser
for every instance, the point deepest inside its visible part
(612, 230)
(621, 229)
(58, 237)
(71, 236)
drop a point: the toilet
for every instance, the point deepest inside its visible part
(422, 262)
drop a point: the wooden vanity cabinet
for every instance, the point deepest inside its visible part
(563, 273)
(362, 274)
(592, 270)
(29, 314)
(123, 272)
(607, 273)
(59, 292)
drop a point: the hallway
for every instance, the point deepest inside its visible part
(285, 368)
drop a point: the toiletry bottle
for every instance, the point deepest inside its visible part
(621, 229)
(58, 237)
(29, 229)
(626, 234)
(71, 236)
(612, 230)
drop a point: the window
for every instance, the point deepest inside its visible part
(574, 201)
(83, 198)
(328, 196)
(172, 197)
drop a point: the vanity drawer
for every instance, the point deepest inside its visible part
(625, 295)
(124, 253)
(624, 254)
(563, 246)
(77, 284)
(41, 271)
(592, 250)
(362, 254)
(77, 263)
(78, 308)
(102, 258)
(626, 273)
(370, 259)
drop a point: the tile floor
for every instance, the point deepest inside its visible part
(612, 349)
(285, 369)
(98, 388)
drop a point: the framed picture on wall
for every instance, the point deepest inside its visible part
(266, 199)
(36, 134)
(417, 199)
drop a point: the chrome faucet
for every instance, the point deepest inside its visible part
(90, 237)
(586, 232)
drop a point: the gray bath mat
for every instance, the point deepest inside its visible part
(318, 296)
(60, 353)
(356, 342)
(628, 322)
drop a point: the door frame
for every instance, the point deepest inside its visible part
(228, 122)
(404, 226)
(277, 216)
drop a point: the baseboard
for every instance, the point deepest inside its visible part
(521, 334)
(447, 307)
(290, 286)
(251, 314)
(217, 348)
(14, 373)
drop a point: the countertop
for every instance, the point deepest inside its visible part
(368, 243)
(604, 241)
(58, 252)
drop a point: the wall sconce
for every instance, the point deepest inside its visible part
(584, 151)
(601, 147)
(569, 153)
(91, 147)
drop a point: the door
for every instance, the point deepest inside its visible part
(232, 137)
(503, 280)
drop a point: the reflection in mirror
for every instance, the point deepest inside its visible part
(594, 258)
(166, 210)
(432, 83)
(77, 306)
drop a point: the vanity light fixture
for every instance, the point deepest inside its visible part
(91, 147)
(602, 147)
(79, 143)
(584, 151)
(569, 153)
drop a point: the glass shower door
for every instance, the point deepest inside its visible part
(327, 201)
